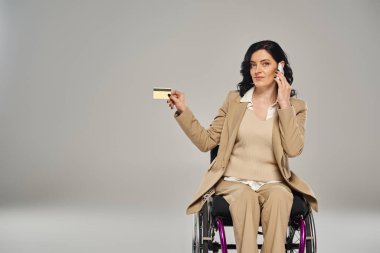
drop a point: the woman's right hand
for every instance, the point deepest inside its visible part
(177, 99)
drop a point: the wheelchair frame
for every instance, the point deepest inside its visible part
(301, 234)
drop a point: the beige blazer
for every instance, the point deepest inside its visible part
(288, 141)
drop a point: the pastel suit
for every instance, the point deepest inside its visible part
(287, 136)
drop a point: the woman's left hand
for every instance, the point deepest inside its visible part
(284, 90)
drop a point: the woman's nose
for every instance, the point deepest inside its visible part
(258, 69)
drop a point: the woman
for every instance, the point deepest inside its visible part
(257, 128)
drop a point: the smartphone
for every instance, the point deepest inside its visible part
(280, 68)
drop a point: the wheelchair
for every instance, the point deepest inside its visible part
(215, 215)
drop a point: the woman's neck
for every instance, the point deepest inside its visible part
(265, 95)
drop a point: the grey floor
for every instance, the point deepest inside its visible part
(62, 230)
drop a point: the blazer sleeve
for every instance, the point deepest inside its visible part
(204, 139)
(292, 128)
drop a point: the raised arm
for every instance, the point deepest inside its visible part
(292, 128)
(204, 139)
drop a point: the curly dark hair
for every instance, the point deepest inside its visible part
(278, 55)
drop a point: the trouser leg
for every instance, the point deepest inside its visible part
(245, 212)
(275, 216)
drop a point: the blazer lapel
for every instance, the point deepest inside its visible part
(278, 150)
(276, 141)
(236, 116)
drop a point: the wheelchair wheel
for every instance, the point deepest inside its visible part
(201, 230)
(292, 240)
(197, 231)
(311, 237)
(298, 236)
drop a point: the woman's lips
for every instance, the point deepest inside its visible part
(259, 78)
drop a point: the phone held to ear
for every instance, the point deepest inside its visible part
(280, 68)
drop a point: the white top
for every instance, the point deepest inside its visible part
(255, 185)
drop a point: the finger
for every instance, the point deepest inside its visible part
(276, 76)
(174, 98)
(284, 82)
(278, 80)
(176, 92)
(282, 78)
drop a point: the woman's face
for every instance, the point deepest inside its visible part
(263, 68)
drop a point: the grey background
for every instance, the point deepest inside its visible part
(89, 162)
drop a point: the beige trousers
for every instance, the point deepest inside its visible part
(271, 203)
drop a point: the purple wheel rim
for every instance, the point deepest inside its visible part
(302, 225)
(222, 235)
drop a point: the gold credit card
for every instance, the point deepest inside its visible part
(161, 92)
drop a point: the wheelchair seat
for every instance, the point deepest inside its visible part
(220, 208)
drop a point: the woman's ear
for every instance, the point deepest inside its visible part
(282, 64)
